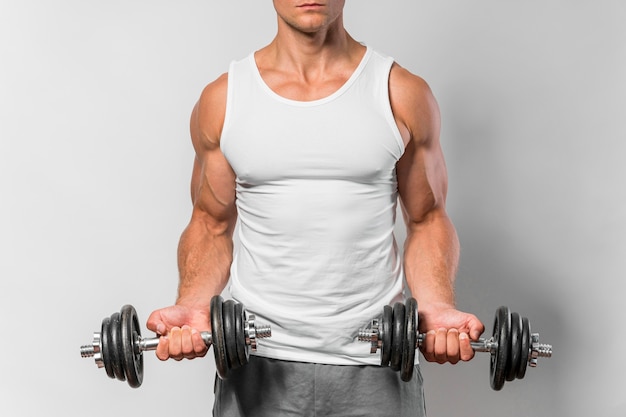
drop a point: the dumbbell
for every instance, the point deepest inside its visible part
(512, 346)
(119, 347)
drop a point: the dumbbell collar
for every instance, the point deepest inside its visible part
(94, 350)
(371, 334)
(538, 350)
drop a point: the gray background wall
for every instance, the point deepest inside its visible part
(95, 162)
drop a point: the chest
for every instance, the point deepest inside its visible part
(341, 143)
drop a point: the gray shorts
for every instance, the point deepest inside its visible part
(269, 387)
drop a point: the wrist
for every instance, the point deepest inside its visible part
(194, 302)
(435, 306)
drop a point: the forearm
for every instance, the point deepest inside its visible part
(204, 259)
(431, 257)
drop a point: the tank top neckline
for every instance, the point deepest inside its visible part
(341, 90)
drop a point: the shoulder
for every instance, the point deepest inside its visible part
(208, 114)
(407, 85)
(215, 91)
(211, 105)
(413, 102)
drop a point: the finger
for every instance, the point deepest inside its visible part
(428, 347)
(441, 349)
(175, 345)
(155, 323)
(162, 350)
(186, 343)
(467, 352)
(476, 330)
(200, 347)
(453, 349)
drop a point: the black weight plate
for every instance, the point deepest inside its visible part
(228, 315)
(132, 359)
(408, 345)
(105, 343)
(397, 336)
(516, 348)
(525, 347)
(499, 358)
(115, 347)
(217, 334)
(242, 349)
(385, 335)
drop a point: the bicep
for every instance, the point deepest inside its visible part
(422, 181)
(421, 171)
(213, 186)
(213, 179)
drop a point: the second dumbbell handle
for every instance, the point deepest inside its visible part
(491, 346)
(152, 343)
(372, 335)
(480, 345)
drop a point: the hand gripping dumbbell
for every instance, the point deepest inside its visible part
(119, 347)
(512, 347)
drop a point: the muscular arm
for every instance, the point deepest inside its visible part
(205, 248)
(431, 246)
(431, 253)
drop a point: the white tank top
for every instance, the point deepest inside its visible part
(315, 254)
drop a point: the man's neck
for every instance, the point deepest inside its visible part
(305, 53)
